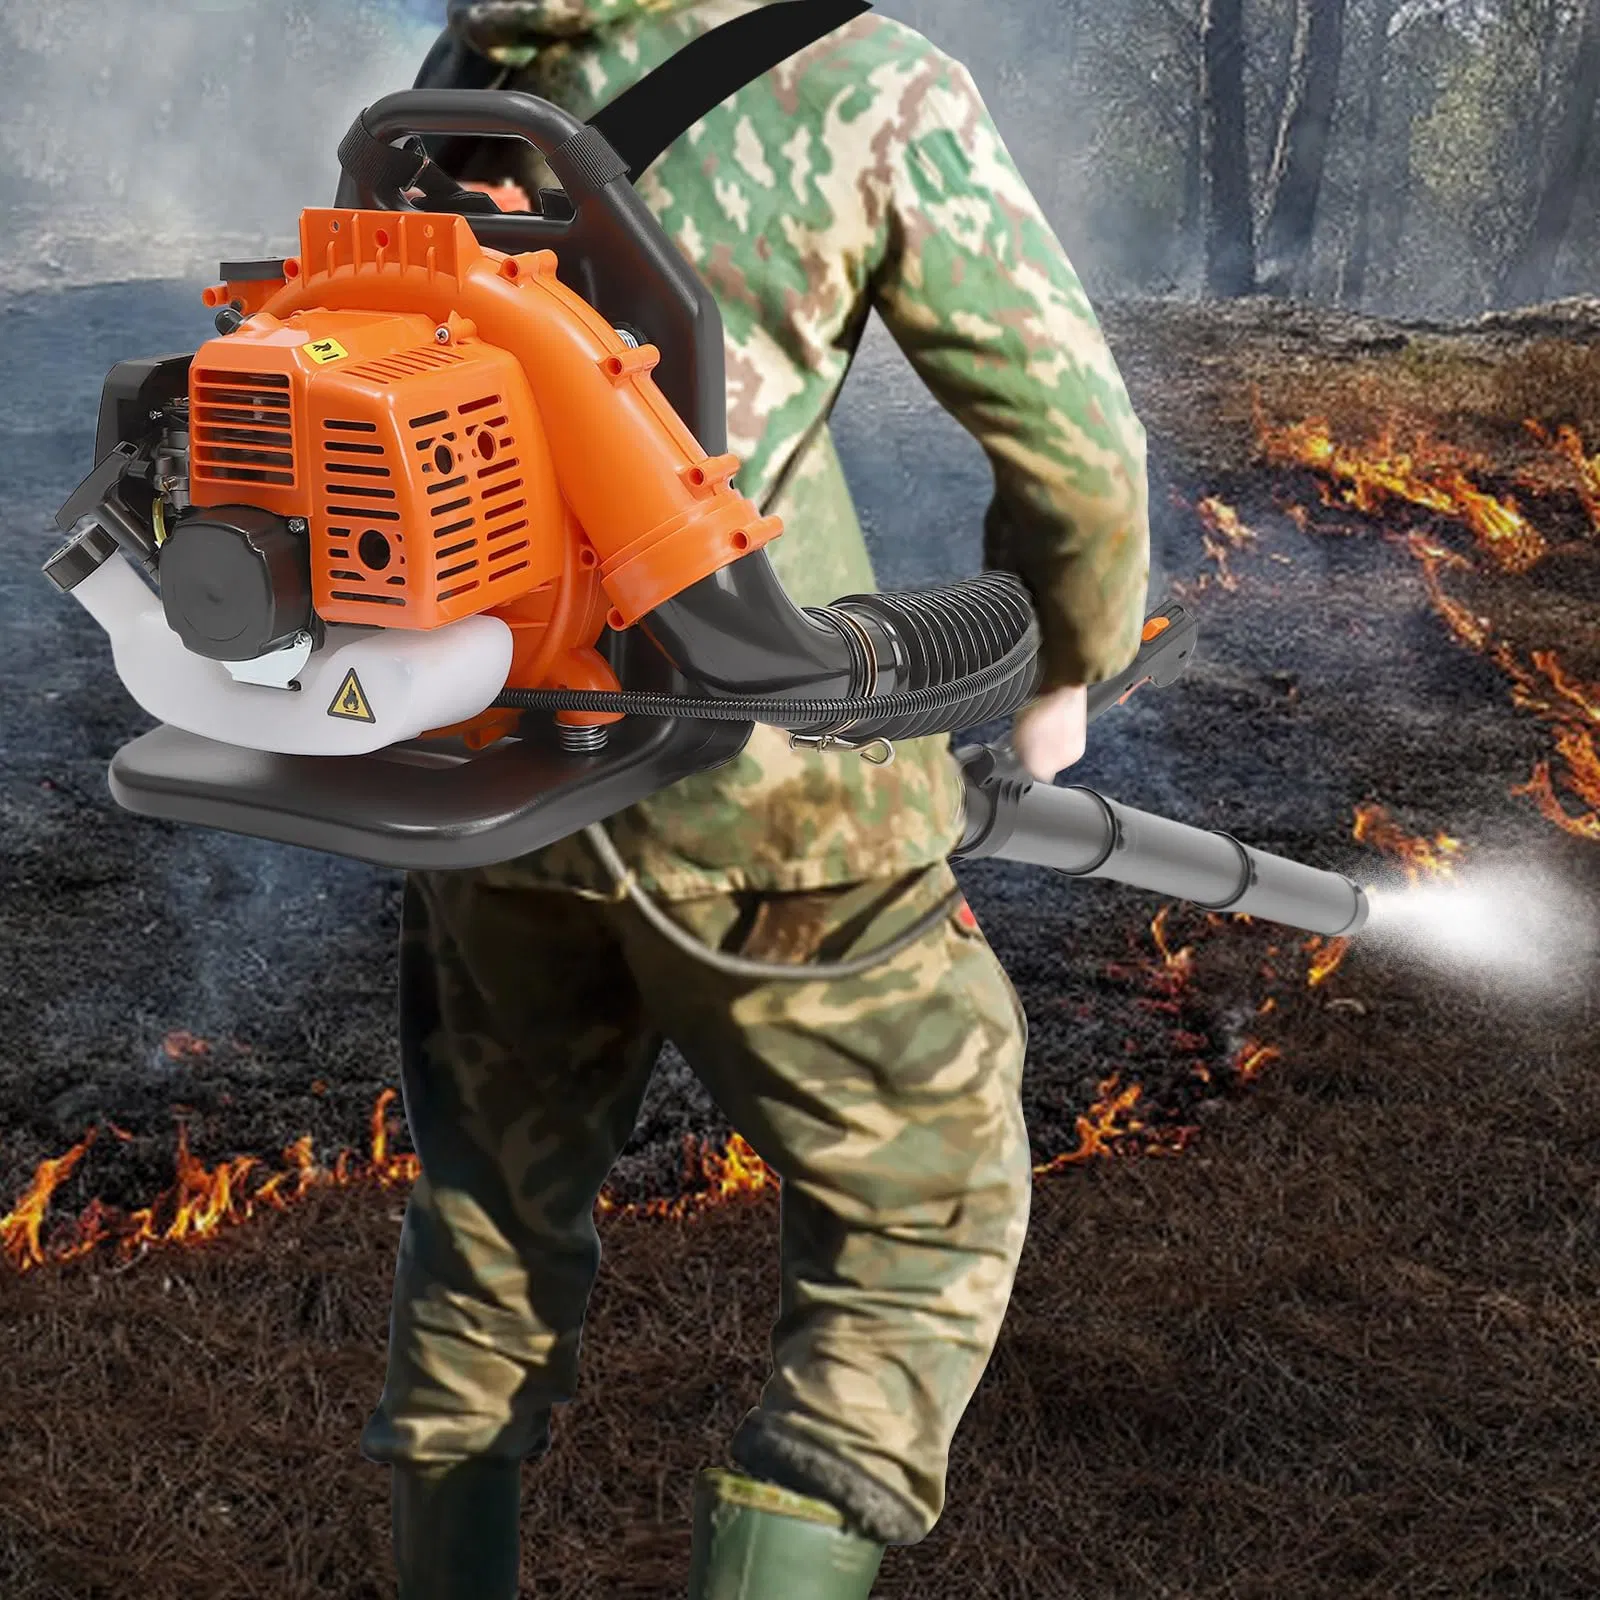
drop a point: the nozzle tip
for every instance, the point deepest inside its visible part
(1363, 909)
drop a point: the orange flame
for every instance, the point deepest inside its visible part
(1102, 1127)
(1568, 444)
(1419, 858)
(20, 1229)
(1110, 1126)
(204, 1199)
(402, 1168)
(1223, 531)
(201, 1201)
(1579, 752)
(1432, 475)
(1435, 477)
(1180, 962)
(1325, 959)
(735, 1172)
(1252, 1057)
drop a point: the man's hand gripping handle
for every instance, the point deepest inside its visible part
(1049, 733)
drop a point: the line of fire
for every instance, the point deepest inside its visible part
(1459, 520)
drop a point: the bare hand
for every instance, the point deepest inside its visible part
(509, 196)
(1049, 733)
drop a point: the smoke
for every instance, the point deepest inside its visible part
(1511, 927)
(147, 140)
(141, 139)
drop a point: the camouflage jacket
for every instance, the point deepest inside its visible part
(862, 174)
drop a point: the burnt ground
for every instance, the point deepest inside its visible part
(1348, 1343)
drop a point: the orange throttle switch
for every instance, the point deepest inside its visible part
(1166, 642)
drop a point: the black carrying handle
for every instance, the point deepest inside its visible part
(611, 251)
(453, 64)
(580, 156)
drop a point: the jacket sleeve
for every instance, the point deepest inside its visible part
(979, 294)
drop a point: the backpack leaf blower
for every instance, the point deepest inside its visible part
(434, 554)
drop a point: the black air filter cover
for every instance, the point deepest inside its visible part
(235, 582)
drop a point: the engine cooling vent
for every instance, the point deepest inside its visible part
(366, 564)
(241, 428)
(405, 364)
(434, 497)
(477, 500)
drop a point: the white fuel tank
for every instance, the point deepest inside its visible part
(364, 689)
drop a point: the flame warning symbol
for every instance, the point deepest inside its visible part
(351, 700)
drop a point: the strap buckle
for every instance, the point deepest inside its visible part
(834, 741)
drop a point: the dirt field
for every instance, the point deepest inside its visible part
(1347, 1343)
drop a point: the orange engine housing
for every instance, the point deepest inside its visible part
(420, 467)
(461, 433)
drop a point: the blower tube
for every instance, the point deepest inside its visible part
(882, 666)
(1076, 831)
(951, 658)
(1080, 832)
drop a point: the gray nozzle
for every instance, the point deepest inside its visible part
(1080, 832)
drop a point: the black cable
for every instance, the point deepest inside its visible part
(756, 708)
(744, 966)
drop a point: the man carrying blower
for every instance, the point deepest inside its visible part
(863, 173)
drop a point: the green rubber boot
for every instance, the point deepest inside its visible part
(757, 1541)
(456, 1530)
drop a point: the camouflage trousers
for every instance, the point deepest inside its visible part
(889, 1105)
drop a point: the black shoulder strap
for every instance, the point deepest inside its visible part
(663, 105)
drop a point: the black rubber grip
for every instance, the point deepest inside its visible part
(590, 154)
(376, 165)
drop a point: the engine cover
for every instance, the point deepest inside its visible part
(414, 451)
(235, 582)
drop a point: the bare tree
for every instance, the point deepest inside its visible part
(1537, 122)
(1297, 165)
(1353, 276)
(1230, 243)
(1275, 77)
(1532, 265)
(1191, 216)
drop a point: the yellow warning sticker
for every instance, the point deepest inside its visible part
(351, 700)
(323, 351)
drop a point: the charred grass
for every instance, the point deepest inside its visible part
(1348, 1345)
(1202, 376)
